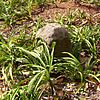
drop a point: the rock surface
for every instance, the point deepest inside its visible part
(55, 32)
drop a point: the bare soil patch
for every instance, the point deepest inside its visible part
(49, 12)
(63, 8)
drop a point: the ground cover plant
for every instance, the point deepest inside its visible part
(28, 68)
(13, 11)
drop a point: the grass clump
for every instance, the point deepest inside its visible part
(28, 64)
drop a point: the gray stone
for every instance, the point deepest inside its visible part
(55, 32)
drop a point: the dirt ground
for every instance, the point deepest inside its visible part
(63, 8)
(49, 12)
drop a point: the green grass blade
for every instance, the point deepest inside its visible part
(46, 50)
(94, 76)
(40, 79)
(52, 52)
(34, 66)
(31, 83)
(35, 55)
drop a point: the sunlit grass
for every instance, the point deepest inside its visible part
(27, 70)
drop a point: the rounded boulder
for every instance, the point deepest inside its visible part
(54, 32)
